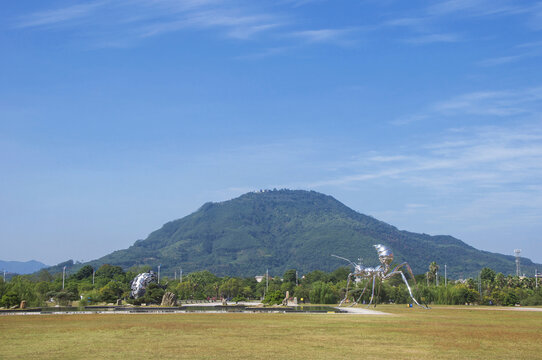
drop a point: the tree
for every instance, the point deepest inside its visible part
(290, 276)
(111, 292)
(231, 288)
(10, 299)
(322, 293)
(109, 271)
(500, 280)
(340, 274)
(316, 275)
(154, 294)
(433, 270)
(487, 275)
(83, 273)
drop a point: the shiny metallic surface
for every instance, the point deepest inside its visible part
(384, 255)
(140, 283)
(382, 273)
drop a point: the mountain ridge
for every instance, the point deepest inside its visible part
(21, 267)
(283, 229)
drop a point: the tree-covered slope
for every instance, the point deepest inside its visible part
(284, 229)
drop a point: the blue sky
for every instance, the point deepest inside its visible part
(118, 116)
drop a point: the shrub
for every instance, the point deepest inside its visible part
(273, 298)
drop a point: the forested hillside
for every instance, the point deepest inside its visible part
(293, 229)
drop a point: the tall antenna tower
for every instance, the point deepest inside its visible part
(517, 252)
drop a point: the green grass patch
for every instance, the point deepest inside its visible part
(443, 332)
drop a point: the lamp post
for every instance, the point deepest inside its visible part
(63, 276)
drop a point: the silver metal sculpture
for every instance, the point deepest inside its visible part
(382, 272)
(140, 283)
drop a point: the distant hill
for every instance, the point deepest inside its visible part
(20, 267)
(284, 229)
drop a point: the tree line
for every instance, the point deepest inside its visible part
(109, 283)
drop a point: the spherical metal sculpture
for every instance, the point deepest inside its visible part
(140, 283)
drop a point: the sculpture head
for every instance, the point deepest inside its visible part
(384, 254)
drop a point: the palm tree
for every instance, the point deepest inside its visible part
(433, 269)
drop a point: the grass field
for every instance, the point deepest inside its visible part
(443, 333)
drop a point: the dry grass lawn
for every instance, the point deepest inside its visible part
(443, 333)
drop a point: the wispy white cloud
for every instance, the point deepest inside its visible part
(499, 104)
(433, 38)
(522, 52)
(60, 16)
(477, 7)
(501, 60)
(334, 36)
(431, 24)
(481, 161)
(236, 24)
(129, 19)
(492, 103)
(381, 158)
(274, 51)
(297, 3)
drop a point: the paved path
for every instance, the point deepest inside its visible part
(361, 311)
(496, 308)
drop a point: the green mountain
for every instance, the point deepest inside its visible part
(285, 229)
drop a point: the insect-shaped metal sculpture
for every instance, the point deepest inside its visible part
(382, 272)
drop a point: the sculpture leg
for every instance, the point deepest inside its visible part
(378, 292)
(363, 292)
(346, 293)
(410, 291)
(372, 291)
(407, 267)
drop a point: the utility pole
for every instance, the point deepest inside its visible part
(296, 281)
(63, 276)
(181, 275)
(436, 275)
(518, 268)
(267, 281)
(480, 284)
(4, 275)
(536, 275)
(445, 277)
(159, 273)
(93, 274)
(175, 274)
